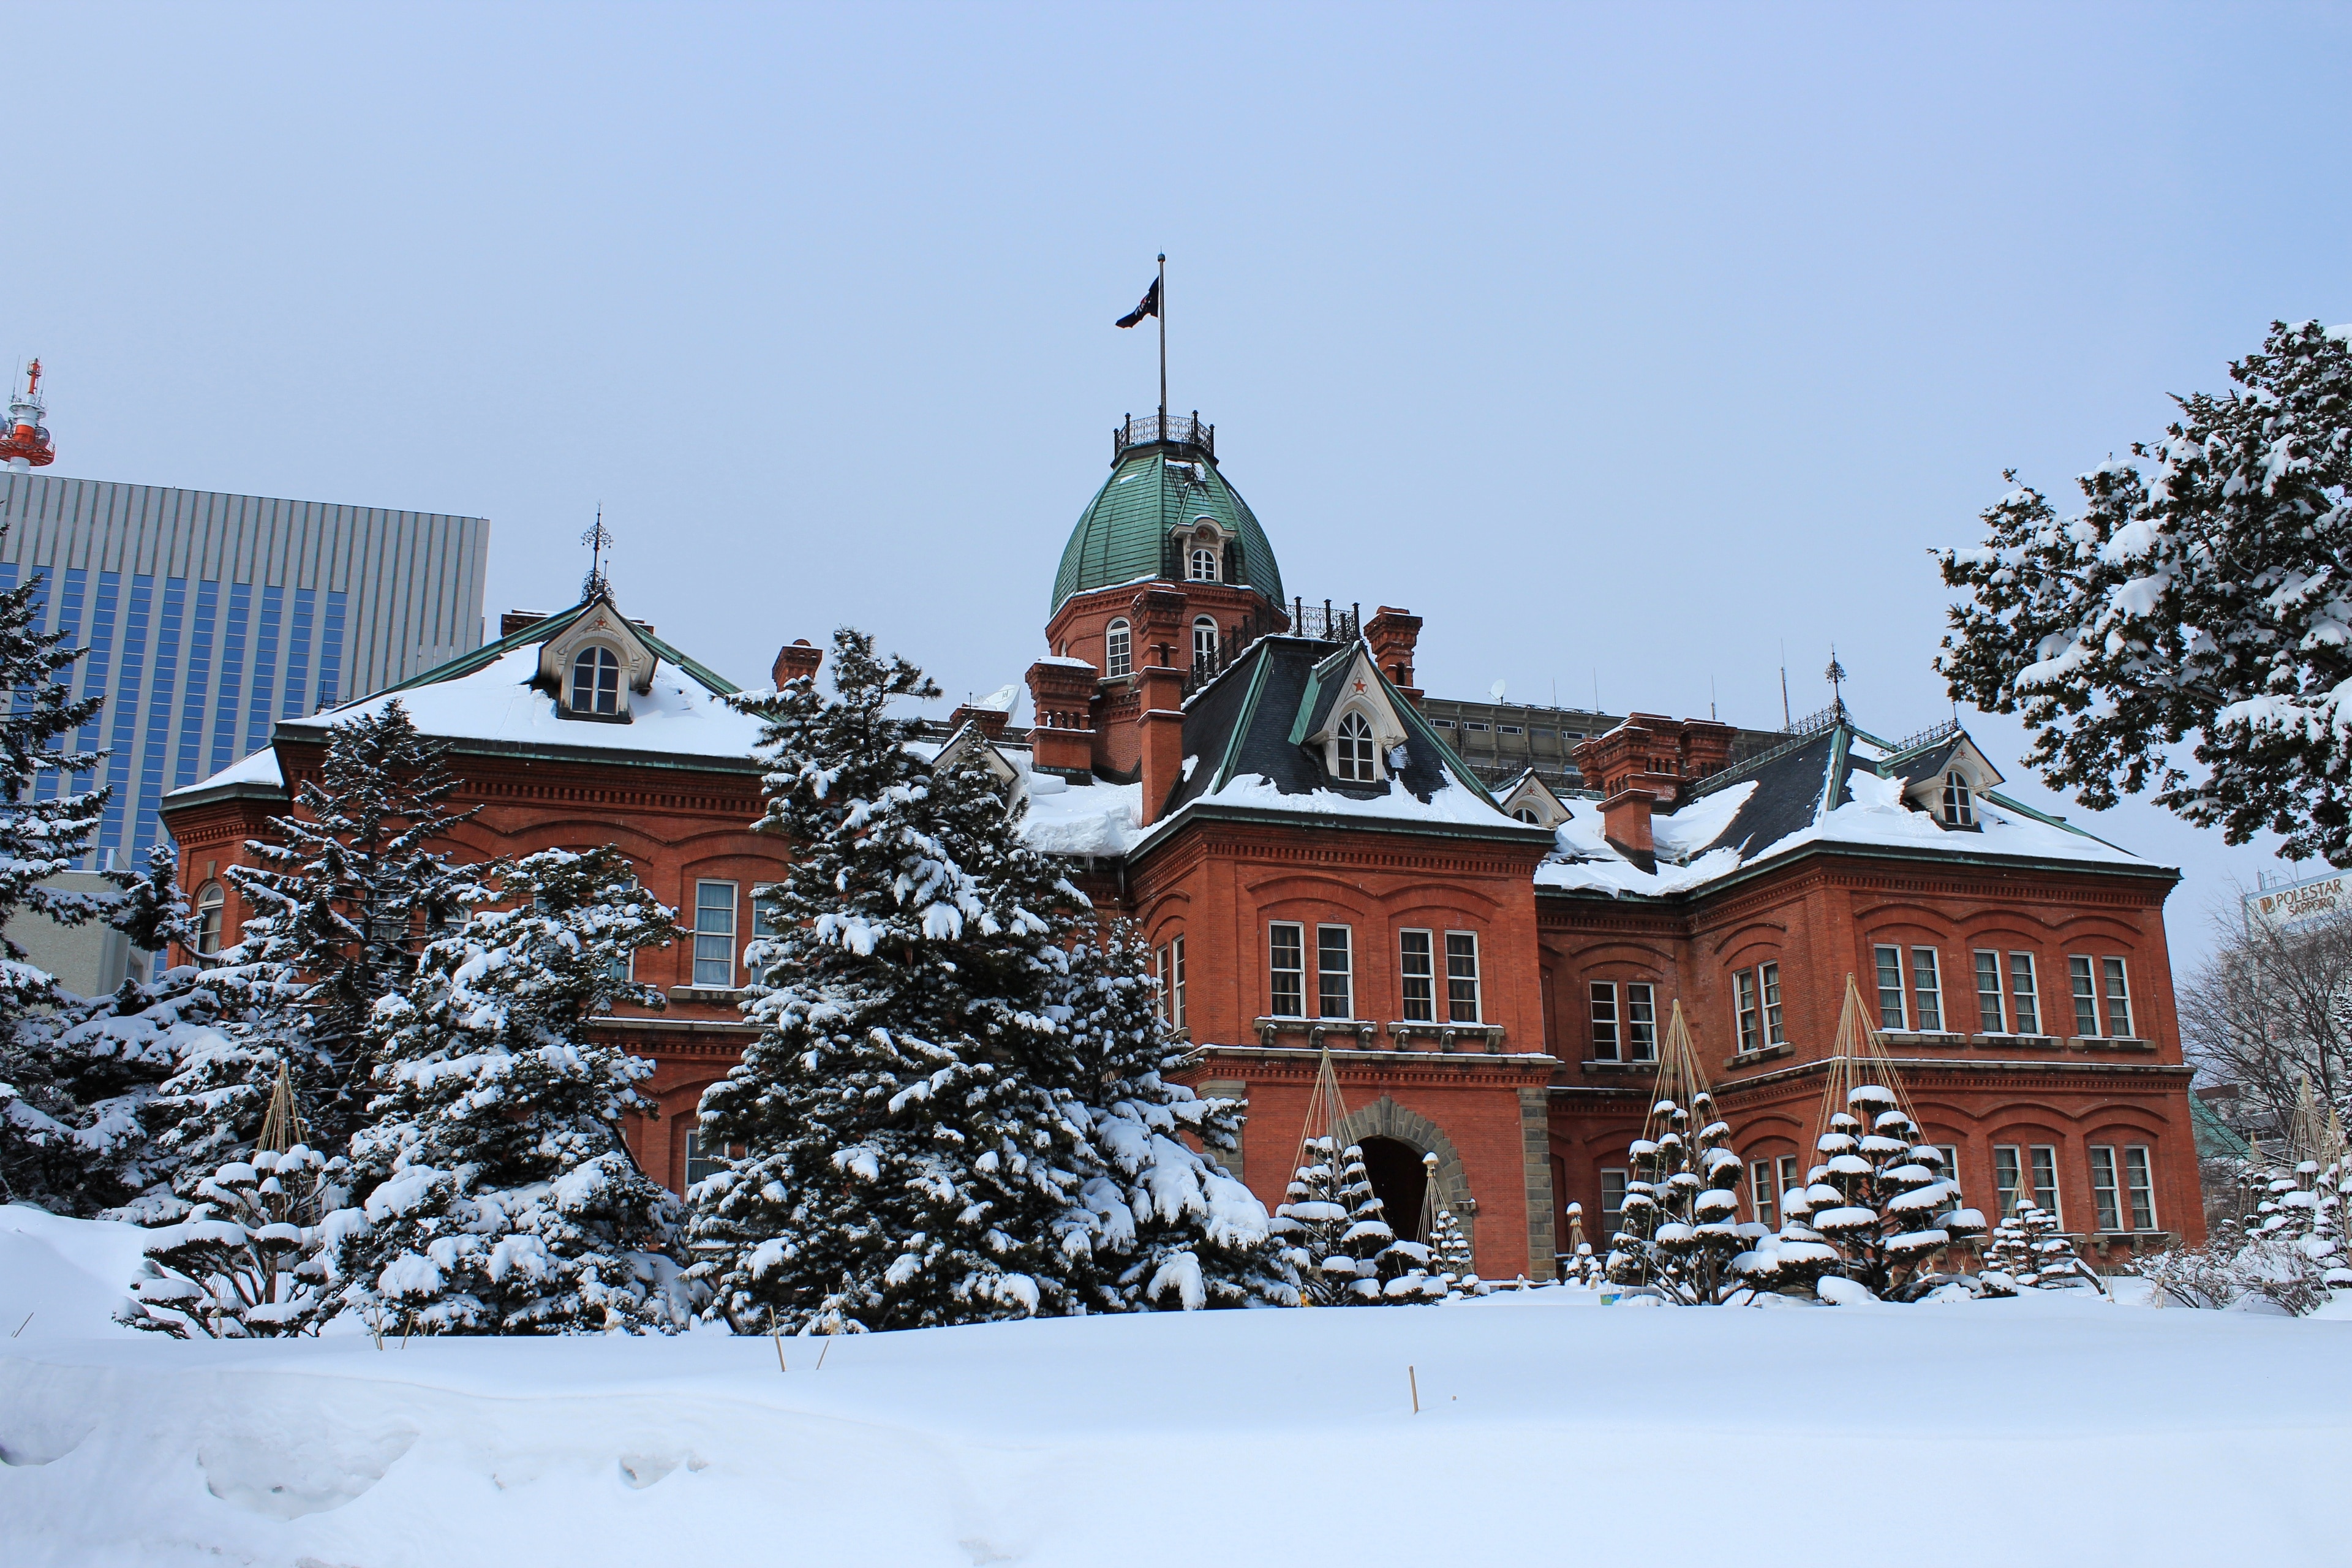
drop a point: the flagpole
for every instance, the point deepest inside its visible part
(1162, 313)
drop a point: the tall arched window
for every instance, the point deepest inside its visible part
(1355, 749)
(596, 682)
(1204, 642)
(1205, 564)
(1118, 657)
(1959, 806)
(210, 903)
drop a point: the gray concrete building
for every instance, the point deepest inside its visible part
(208, 617)
(1500, 741)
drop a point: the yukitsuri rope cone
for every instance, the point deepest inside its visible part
(1678, 1232)
(1332, 1230)
(282, 1126)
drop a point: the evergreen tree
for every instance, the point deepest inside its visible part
(1579, 1266)
(492, 1189)
(1336, 1236)
(2028, 1251)
(245, 1262)
(2200, 592)
(350, 895)
(1450, 1251)
(903, 1166)
(1172, 1228)
(1679, 1232)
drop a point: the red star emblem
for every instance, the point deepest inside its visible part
(1359, 685)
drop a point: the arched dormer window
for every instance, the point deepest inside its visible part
(1203, 567)
(596, 682)
(211, 902)
(1118, 657)
(1353, 751)
(1526, 814)
(1204, 642)
(1960, 801)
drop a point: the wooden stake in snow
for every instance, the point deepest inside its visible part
(824, 1350)
(20, 1328)
(776, 1334)
(1412, 1380)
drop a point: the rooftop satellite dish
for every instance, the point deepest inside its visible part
(1497, 690)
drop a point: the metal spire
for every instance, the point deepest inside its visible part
(598, 539)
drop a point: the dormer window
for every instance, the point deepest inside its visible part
(596, 682)
(1959, 803)
(1526, 813)
(1118, 657)
(1205, 564)
(1353, 751)
(1205, 643)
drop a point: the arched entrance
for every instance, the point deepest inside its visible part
(1399, 1181)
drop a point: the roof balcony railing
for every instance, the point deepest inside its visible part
(1180, 429)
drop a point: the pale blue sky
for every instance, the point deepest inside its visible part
(1621, 343)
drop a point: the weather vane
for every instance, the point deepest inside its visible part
(1835, 676)
(598, 539)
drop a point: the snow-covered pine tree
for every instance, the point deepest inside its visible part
(1679, 1230)
(1579, 1266)
(902, 1164)
(1880, 1200)
(57, 1148)
(491, 1190)
(351, 893)
(1451, 1257)
(1172, 1228)
(1336, 1238)
(2200, 592)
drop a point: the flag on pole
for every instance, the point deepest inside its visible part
(1151, 306)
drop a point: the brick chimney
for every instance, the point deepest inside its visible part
(1394, 634)
(992, 720)
(795, 659)
(1650, 763)
(1164, 647)
(1062, 700)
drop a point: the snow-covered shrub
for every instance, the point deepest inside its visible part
(1876, 1211)
(1335, 1234)
(2029, 1251)
(492, 1189)
(2291, 1251)
(244, 1263)
(1679, 1230)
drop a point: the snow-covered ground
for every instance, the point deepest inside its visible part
(1551, 1430)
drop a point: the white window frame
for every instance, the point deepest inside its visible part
(695, 1156)
(1608, 1020)
(1417, 974)
(1324, 974)
(712, 935)
(1764, 1192)
(1927, 989)
(1641, 1032)
(1276, 971)
(1746, 1011)
(1196, 571)
(1204, 641)
(1159, 981)
(1462, 970)
(603, 663)
(2139, 1185)
(2028, 1161)
(2083, 982)
(2025, 995)
(1886, 958)
(1960, 800)
(2116, 986)
(2106, 1188)
(1355, 752)
(1611, 1218)
(212, 911)
(1176, 978)
(1992, 1005)
(1119, 649)
(1768, 982)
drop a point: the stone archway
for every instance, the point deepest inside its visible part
(1384, 1117)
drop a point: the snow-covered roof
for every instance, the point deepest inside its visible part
(261, 768)
(1841, 787)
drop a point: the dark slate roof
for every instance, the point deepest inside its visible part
(1790, 794)
(1253, 719)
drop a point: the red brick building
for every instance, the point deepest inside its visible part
(1256, 784)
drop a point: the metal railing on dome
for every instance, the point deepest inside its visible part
(1184, 429)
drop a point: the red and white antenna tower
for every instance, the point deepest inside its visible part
(27, 443)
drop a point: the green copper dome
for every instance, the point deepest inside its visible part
(1162, 480)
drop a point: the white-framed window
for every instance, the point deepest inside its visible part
(2024, 994)
(1118, 650)
(1768, 980)
(2106, 1187)
(2123, 1186)
(1351, 751)
(1203, 564)
(1526, 814)
(1927, 989)
(1417, 977)
(1461, 977)
(1605, 1023)
(1204, 641)
(1335, 972)
(2139, 1185)
(704, 1159)
(1160, 973)
(1891, 1015)
(1612, 1201)
(1959, 803)
(212, 903)
(1641, 1022)
(714, 935)
(1176, 979)
(1286, 968)
(2119, 1014)
(1764, 1194)
(1747, 1009)
(2086, 994)
(1992, 1016)
(596, 682)
(2010, 1161)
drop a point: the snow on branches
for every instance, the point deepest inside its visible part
(1335, 1234)
(2201, 591)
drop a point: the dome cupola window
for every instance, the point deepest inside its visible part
(1205, 564)
(1204, 642)
(1118, 650)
